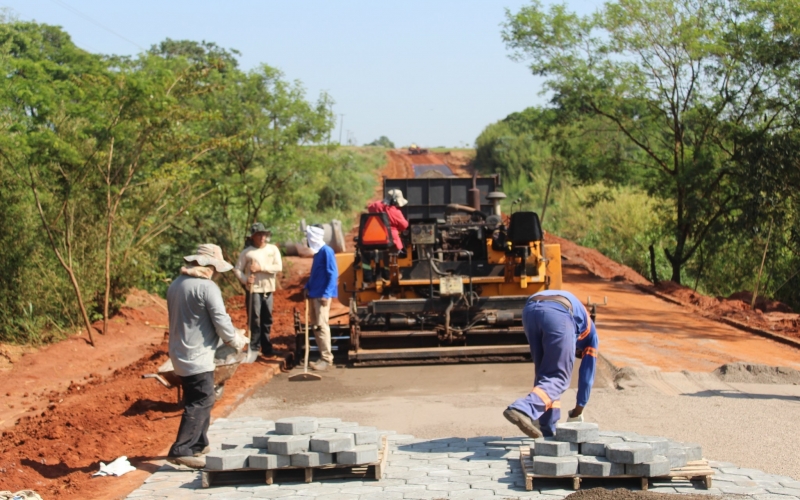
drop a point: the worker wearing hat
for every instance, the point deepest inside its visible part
(391, 205)
(197, 322)
(256, 269)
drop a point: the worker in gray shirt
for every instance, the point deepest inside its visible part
(197, 323)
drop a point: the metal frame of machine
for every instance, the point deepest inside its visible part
(457, 292)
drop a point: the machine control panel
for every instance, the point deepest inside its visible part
(423, 234)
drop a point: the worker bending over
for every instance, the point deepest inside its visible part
(256, 269)
(321, 288)
(197, 322)
(558, 328)
(391, 206)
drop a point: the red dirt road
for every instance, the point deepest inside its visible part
(80, 406)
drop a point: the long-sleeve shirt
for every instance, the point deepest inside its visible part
(197, 322)
(323, 282)
(586, 344)
(268, 258)
(396, 219)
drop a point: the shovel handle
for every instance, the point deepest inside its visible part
(305, 363)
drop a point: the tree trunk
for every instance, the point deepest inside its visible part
(653, 273)
(761, 268)
(547, 191)
(108, 239)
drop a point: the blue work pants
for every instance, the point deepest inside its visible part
(550, 329)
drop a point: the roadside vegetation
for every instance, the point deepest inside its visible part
(113, 168)
(671, 126)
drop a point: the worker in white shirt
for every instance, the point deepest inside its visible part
(256, 269)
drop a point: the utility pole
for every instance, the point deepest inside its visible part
(341, 125)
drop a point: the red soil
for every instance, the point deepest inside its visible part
(108, 410)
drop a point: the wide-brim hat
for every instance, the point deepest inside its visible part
(209, 254)
(259, 228)
(397, 196)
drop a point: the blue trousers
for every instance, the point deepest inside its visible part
(550, 329)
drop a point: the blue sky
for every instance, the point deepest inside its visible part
(434, 72)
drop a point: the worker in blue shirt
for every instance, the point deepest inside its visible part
(321, 288)
(559, 329)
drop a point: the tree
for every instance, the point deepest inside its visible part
(47, 102)
(680, 80)
(382, 142)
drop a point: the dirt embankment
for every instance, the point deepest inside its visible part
(111, 411)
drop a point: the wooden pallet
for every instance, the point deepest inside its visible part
(373, 470)
(694, 471)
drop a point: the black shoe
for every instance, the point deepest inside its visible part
(524, 422)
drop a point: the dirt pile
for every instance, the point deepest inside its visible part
(623, 494)
(595, 262)
(769, 315)
(748, 373)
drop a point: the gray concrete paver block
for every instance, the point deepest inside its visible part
(555, 466)
(659, 466)
(659, 444)
(577, 432)
(772, 496)
(384, 495)
(741, 490)
(790, 484)
(296, 426)
(332, 443)
(448, 473)
(429, 468)
(362, 490)
(784, 491)
(266, 461)
(629, 453)
(471, 494)
(599, 466)
(597, 447)
(363, 435)
(363, 454)
(288, 444)
(550, 447)
(278, 493)
(311, 459)
(447, 486)
(738, 471)
(677, 457)
(338, 496)
(469, 466)
(228, 459)
(467, 479)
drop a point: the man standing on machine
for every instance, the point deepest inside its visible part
(391, 206)
(256, 269)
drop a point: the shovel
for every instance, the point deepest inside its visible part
(305, 376)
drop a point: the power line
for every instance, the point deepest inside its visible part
(87, 18)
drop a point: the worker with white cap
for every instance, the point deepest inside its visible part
(391, 205)
(321, 288)
(197, 322)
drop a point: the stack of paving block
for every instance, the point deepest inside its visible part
(581, 448)
(298, 442)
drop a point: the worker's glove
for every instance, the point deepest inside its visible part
(325, 302)
(240, 341)
(575, 415)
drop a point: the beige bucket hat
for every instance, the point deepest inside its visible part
(209, 254)
(395, 197)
